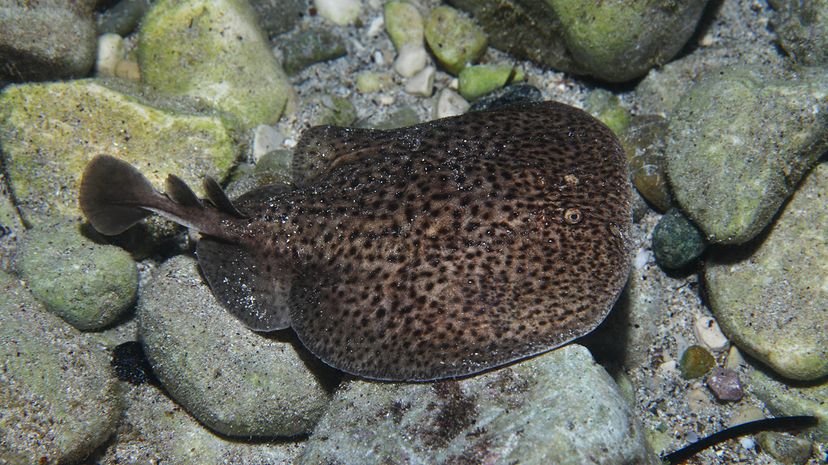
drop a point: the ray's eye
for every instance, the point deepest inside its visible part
(572, 216)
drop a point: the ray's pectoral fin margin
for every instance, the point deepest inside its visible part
(245, 286)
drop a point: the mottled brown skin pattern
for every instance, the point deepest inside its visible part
(450, 247)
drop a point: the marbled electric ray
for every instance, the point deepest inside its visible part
(420, 253)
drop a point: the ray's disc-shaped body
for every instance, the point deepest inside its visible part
(433, 251)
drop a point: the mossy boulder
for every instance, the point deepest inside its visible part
(213, 51)
(50, 131)
(59, 396)
(739, 142)
(615, 40)
(771, 299)
(89, 285)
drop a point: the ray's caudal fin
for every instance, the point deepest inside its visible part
(114, 196)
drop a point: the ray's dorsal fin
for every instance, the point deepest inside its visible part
(180, 192)
(217, 196)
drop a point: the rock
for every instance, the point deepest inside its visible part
(278, 16)
(311, 46)
(479, 80)
(709, 334)
(155, 430)
(677, 242)
(11, 226)
(787, 449)
(454, 38)
(607, 107)
(110, 52)
(783, 399)
(400, 118)
(725, 384)
(614, 41)
(802, 28)
(336, 111)
(233, 380)
(739, 143)
(59, 397)
(123, 17)
(558, 408)
(265, 140)
(369, 81)
(645, 141)
(50, 131)
(339, 12)
(89, 285)
(422, 83)
(215, 52)
(770, 300)
(449, 103)
(404, 24)
(48, 40)
(509, 95)
(695, 362)
(411, 59)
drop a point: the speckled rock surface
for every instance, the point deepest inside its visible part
(235, 381)
(50, 131)
(772, 301)
(802, 28)
(454, 38)
(677, 242)
(46, 40)
(612, 40)
(87, 284)
(740, 141)
(785, 398)
(305, 48)
(155, 430)
(213, 51)
(278, 16)
(558, 408)
(645, 141)
(59, 399)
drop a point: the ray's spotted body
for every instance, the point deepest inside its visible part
(420, 253)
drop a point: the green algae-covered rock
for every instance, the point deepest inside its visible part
(802, 28)
(559, 408)
(772, 301)
(677, 242)
(645, 142)
(479, 80)
(403, 23)
(50, 131)
(233, 380)
(739, 143)
(783, 398)
(695, 362)
(305, 48)
(454, 38)
(156, 430)
(213, 51)
(59, 397)
(607, 107)
(616, 40)
(87, 284)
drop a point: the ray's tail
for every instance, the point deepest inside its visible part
(114, 196)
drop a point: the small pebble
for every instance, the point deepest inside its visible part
(734, 358)
(130, 363)
(126, 69)
(707, 332)
(110, 52)
(697, 400)
(265, 139)
(785, 448)
(341, 12)
(479, 80)
(403, 23)
(695, 362)
(411, 60)
(450, 103)
(725, 384)
(747, 443)
(455, 39)
(370, 81)
(677, 242)
(422, 83)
